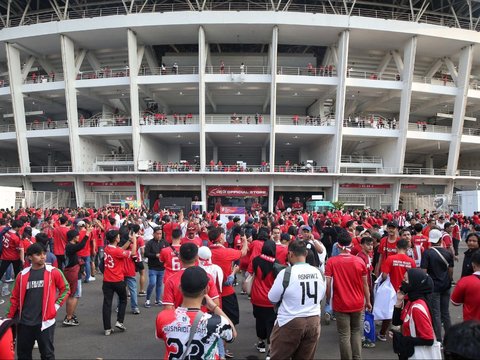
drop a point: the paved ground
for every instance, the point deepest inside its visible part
(138, 342)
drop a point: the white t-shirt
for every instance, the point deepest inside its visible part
(303, 295)
(148, 231)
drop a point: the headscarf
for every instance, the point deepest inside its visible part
(420, 285)
(266, 259)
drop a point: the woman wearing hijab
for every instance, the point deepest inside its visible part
(412, 313)
(262, 283)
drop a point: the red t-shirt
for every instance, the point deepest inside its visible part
(86, 250)
(396, 266)
(281, 254)
(169, 258)
(467, 292)
(11, 246)
(422, 320)
(387, 248)
(421, 240)
(60, 240)
(172, 294)
(447, 241)
(223, 257)
(347, 272)
(261, 287)
(196, 240)
(256, 250)
(114, 259)
(167, 230)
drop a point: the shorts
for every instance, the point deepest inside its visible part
(139, 266)
(230, 308)
(71, 275)
(78, 293)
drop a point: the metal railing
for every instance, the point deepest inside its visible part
(103, 74)
(424, 171)
(301, 169)
(324, 71)
(237, 69)
(105, 121)
(446, 20)
(48, 125)
(174, 167)
(119, 168)
(169, 70)
(359, 74)
(10, 170)
(367, 170)
(423, 127)
(360, 159)
(43, 79)
(434, 80)
(149, 118)
(114, 157)
(475, 173)
(306, 120)
(238, 119)
(7, 128)
(372, 121)
(50, 169)
(471, 131)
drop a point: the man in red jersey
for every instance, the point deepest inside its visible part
(169, 256)
(455, 234)
(395, 266)
(86, 251)
(175, 325)
(467, 291)
(168, 227)
(388, 245)
(191, 235)
(447, 241)
(172, 296)
(223, 257)
(351, 296)
(13, 252)
(114, 278)
(60, 241)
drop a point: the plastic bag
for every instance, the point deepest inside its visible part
(385, 299)
(369, 327)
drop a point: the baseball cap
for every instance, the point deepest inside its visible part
(306, 228)
(434, 236)
(81, 223)
(392, 224)
(204, 253)
(194, 279)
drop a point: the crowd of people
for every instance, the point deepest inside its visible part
(293, 265)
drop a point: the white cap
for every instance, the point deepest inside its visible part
(434, 236)
(81, 223)
(204, 253)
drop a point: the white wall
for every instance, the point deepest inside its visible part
(89, 150)
(386, 150)
(322, 151)
(152, 149)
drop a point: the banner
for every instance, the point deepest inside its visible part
(227, 211)
(240, 191)
(111, 183)
(375, 186)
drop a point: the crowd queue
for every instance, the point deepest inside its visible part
(392, 270)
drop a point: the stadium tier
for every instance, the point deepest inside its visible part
(370, 104)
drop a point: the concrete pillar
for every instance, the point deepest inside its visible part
(26, 183)
(409, 52)
(79, 191)
(464, 69)
(264, 153)
(69, 73)
(271, 195)
(273, 96)
(18, 106)
(335, 189)
(215, 154)
(343, 43)
(202, 60)
(396, 190)
(133, 64)
(449, 189)
(203, 192)
(138, 191)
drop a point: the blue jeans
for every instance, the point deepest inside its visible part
(87, 268)
(155, 280)
(132, 288)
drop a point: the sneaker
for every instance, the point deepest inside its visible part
(71, 322)
(147, 304)
(228, 354)
(136, 311)
(120, 326)
(35, 345)
(268, 355)
(142, 294)
(381, 337)
(368, 344)
(108, 332)
(8, 280)
(243, 292)
(2, 301)
(158, 303)
(328, 317)
(91, 278)
(261, 346)
(116, 309)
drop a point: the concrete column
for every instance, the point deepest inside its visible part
(26, 183)
(79, 191)
(69, 73)
(138, 191)
(203, 192)
(134, 102)
(449, 189)
(335, 189)
(271, 195)
(264, 153)
(215, 154)
(343, 43)
(202, 60)
(15, 75)
(464, 69)
(409, 52)
(396, 190)
(273, 97)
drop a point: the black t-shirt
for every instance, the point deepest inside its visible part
(436, 267)
(32, 305)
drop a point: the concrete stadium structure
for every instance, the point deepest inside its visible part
(372, 103)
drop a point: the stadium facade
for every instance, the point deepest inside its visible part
(372, 103)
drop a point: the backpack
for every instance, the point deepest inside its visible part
(285, 283)
(229, 236)
(2, 236)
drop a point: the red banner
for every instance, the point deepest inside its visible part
(239, 191)
(409, 186)
(65, 183)
(365, 186)
(111, 183)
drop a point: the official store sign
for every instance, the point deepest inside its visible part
(238, 191)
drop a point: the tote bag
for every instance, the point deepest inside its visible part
(385, 299)
(433, 352)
